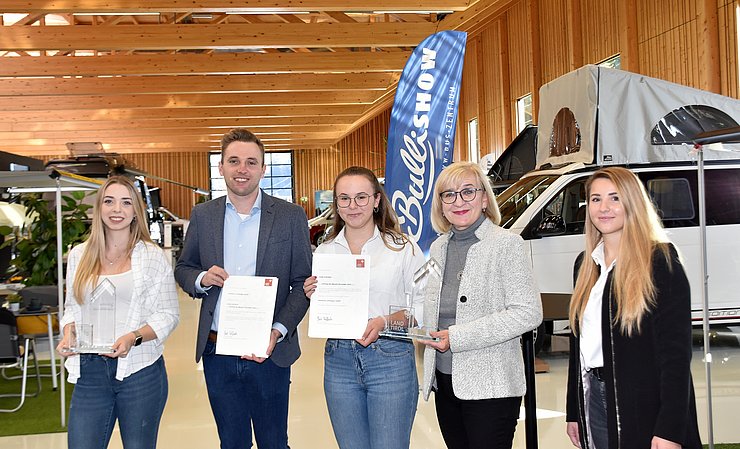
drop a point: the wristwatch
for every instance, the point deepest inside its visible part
(139, 338)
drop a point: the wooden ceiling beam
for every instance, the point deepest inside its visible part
(196, 84)
(270, 144)
(173, 138)
(220, 36)
(223, 124)
(99, 135)
(44, 103)
(217, 63)
(326, 113)
(253, 6)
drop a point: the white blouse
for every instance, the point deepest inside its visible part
(592, 355)
(391, 273)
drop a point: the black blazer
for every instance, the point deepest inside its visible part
(648, 377)
(283, 251)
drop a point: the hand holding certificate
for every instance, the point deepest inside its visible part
(340, 303)
(245, 316)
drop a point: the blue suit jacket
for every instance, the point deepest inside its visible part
(283, 251)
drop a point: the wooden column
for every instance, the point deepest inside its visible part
(628, 49)
(709, 64)
(533, 17)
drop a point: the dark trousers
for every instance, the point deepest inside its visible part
(474, 424)
(597, 422)
(245, 394)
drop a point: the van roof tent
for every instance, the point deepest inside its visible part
(597, 115)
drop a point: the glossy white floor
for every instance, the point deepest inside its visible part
(188, 423)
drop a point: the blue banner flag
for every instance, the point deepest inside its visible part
(422, 130)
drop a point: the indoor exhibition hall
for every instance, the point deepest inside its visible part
(347, 224)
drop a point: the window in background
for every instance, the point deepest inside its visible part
(523, 112)
(473, 142)
(278, 180)
(615, 62)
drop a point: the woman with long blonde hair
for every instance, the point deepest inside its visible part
(128, 381)
(629, 378)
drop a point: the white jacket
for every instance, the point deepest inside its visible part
(154, 302)
(497, 302)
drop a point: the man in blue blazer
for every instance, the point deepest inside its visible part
(247, 233)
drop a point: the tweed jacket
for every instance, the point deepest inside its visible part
(497, 302)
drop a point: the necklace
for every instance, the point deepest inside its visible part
(111, 262)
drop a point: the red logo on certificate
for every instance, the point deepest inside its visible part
(360, 263)
(268, 282)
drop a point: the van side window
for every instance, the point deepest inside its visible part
(723, 200)
(570, 203)
(672, 198)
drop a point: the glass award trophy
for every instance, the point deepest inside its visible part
(95, 334)
(401, 323)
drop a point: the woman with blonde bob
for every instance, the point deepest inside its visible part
(629, 378)
(129, 383)
(484, 302)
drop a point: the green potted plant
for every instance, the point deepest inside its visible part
(35, 261)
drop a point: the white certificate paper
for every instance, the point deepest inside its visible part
(245, 316)
(340, 303)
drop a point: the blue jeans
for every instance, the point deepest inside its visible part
(371, 392)
(99, 399)
(245, 394)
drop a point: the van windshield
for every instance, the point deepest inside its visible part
(517, 198)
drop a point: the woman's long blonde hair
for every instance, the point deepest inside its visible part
(90, 264)
(632, 284)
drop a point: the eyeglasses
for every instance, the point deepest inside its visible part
(467, 195)
(361, 199)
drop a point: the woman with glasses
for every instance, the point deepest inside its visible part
(484, 302)
(370, 383)
(629, 373)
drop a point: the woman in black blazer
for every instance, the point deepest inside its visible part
(629, 378)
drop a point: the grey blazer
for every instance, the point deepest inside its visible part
(283, 251)
(497, 302)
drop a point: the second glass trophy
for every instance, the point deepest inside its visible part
(401, 322)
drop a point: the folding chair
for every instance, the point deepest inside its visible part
(15, 355)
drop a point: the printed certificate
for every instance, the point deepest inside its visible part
(245, 315)
(340, 303)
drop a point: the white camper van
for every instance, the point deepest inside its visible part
(595, 117)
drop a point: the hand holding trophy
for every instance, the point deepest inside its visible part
(401, 322)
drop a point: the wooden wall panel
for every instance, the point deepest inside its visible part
(728, 47)
(492, 69)
(600, 34)
(554, 39)
(189, 168)
(669, 40)
(316, 169)
(519, 49)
